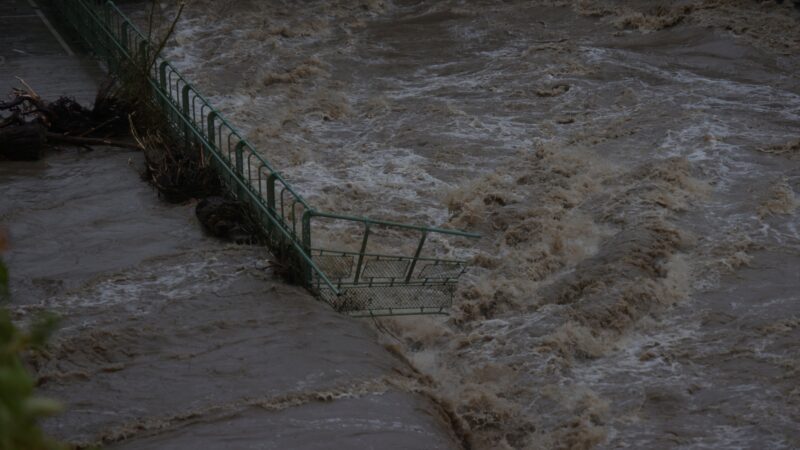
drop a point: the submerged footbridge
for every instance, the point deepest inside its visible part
(358, 265)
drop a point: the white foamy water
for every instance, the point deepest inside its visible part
(632, 170)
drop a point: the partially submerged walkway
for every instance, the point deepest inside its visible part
(170, 339)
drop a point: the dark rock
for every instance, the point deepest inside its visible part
(223, 218)
(23, 142)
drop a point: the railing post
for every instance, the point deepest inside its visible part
(162, 83)
(361, 253)
(271, 191)
(307, 215)
(162, 76)
(294, 217)
(186, 116)
(239, 150)
(416, 255)
(211, 133)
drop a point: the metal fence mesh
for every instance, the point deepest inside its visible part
(337, 267)
(385, 269)
(391, 300)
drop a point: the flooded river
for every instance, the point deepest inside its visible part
(169, 338)
(633, 167)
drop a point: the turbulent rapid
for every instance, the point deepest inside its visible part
(633, 168)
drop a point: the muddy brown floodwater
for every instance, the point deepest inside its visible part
(633, 167)
(170, 339)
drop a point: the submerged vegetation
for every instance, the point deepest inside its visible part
(175, 162)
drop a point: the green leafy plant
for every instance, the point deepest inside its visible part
(20, 409)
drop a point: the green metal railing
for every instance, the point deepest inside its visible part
(352, 280)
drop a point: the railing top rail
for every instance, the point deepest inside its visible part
(388, 223)
(330, 252)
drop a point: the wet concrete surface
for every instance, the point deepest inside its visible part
(81, 213)
(170, 339)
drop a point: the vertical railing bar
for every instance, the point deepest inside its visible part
(203, 118)
(229, 146)
(210, 132)
(416, 256)
(239, 159)
(283, 214)
(219, 136)
(194, 110)
(307, 273)
(361, 252)
(250, 172)
(271, 190)
(259, 182)
(294, 217)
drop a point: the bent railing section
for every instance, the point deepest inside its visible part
(390, 277)
(376, 282)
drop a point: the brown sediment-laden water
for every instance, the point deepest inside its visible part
(633, 167)
(168, 337)
(171, 339)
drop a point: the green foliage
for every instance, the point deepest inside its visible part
(20, 410)
(3, 282)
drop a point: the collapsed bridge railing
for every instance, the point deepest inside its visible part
(359, 278)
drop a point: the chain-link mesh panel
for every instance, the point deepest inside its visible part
(381, 268)
(335, 266)
(389, 300)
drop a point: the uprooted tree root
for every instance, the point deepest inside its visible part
(29, 124)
